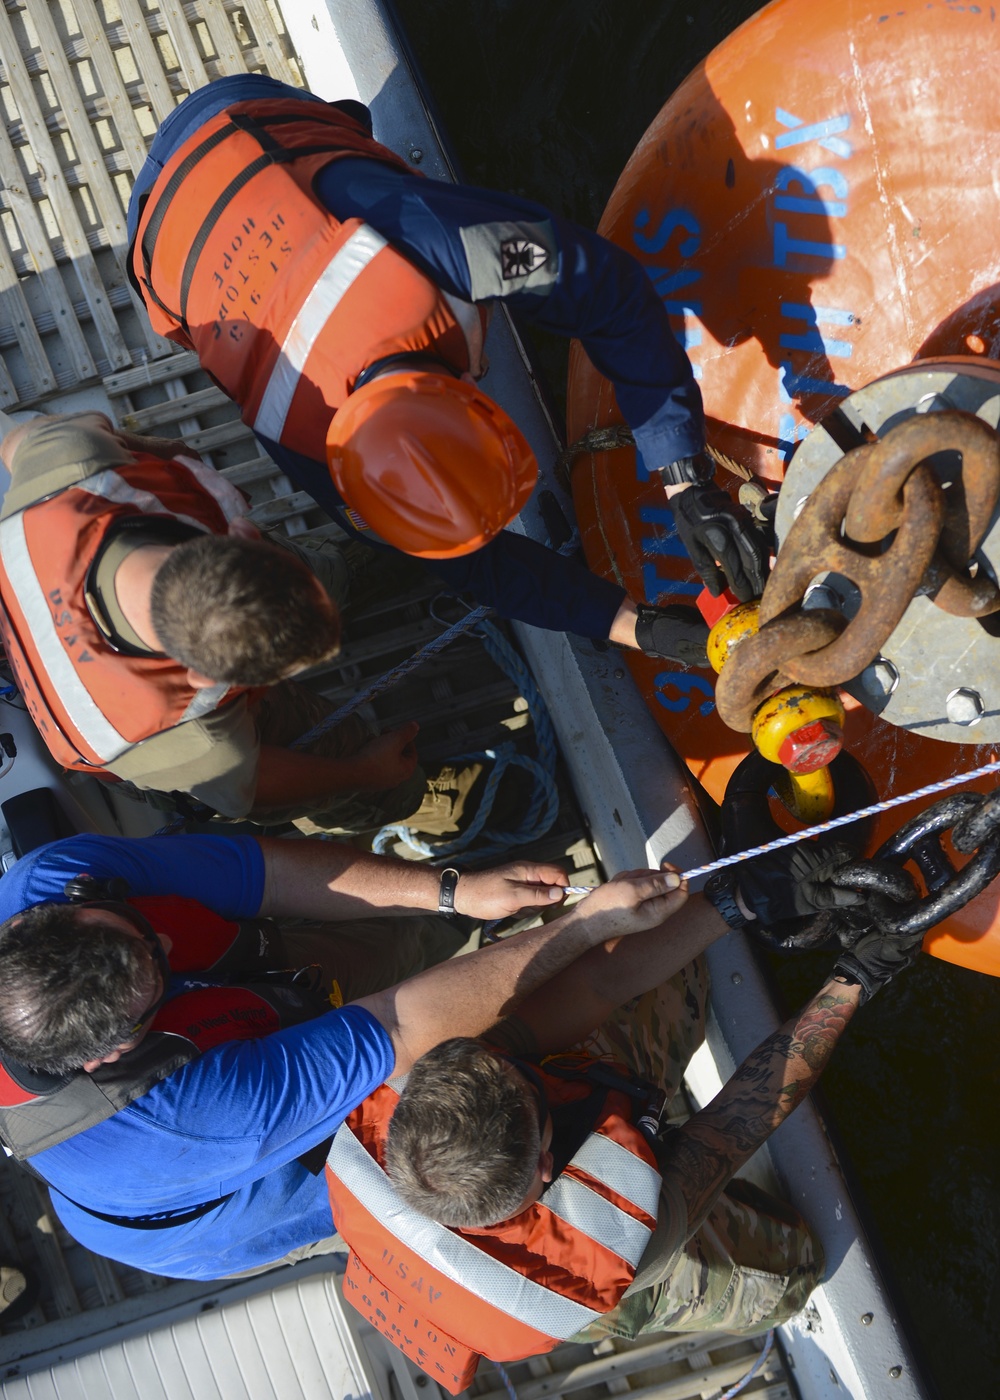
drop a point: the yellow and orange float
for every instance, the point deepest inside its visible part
(817, 207)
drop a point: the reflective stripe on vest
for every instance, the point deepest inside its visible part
(97, 731)
(339, 275)
(94, 728)
(620, 1171)
(592, 1214)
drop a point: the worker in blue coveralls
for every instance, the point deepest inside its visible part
(341, 300)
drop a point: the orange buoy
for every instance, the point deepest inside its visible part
(816, 207)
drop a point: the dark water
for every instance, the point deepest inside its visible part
(548, 98)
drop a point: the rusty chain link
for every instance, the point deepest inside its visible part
(881, 519)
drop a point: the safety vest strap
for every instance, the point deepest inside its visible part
(590, 1213)
(336, 279)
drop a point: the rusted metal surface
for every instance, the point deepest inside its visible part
(876, 507)
(759, 665)
(912, 682)
(887, 580)
(880, 519)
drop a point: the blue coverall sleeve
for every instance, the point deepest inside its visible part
(523, 579)
(596, 291)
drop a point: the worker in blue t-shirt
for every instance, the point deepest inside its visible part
(196, 1098)
(347, 320)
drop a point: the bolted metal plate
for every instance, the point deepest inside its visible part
(937, 674)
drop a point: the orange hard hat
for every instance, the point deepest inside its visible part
(431, 464)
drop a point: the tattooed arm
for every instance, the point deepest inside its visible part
(703, 1156)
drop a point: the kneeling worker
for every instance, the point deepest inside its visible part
(342, 301)
(153, 632)
(531, 1193)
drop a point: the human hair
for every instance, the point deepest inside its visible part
(464, 1141)
(68, 991)
(241, 611)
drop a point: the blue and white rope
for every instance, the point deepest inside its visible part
(508, 1384)
(734, 1390)
(928, 790)
(489, 935)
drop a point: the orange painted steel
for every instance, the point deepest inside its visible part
(816, 207)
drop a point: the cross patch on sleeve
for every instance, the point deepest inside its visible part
(508, 257)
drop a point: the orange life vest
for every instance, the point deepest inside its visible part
(237, 259)
(91, 703)
(447, 1297)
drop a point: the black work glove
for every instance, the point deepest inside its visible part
(876, 958)
(677, 632)
(711, 527)
(790, 884)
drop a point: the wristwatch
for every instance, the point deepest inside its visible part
(446, 891)
(720, 891)
(698, 470)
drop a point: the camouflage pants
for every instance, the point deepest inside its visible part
(753, 1263)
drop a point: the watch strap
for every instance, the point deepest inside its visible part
(720, 892)
(852, 972)
(446, 890)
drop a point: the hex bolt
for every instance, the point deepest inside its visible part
(964, 706)
(880, 678)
